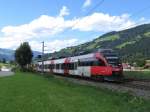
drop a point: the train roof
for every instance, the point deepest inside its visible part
(105, 52)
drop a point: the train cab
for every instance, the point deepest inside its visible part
(114, 62)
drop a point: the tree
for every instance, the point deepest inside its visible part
(140, 62)
(23, 55)
(4, 60)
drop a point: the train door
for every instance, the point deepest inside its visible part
(51, 66)
(66, 66)
(83, 68)
(86, 71)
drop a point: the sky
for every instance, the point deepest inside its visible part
(65, 23)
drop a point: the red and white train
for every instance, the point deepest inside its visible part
(103, 64)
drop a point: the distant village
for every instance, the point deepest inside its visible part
(128, 67)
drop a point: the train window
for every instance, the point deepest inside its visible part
(71, 66)
(101, 63)
(46, 66)
(92, 63)
(52, 66)
(62, 66)
(96, 63)
(57, 66)
(75, 65)
(49, 66)
(87, 63)
(67, 66)
(79, 63)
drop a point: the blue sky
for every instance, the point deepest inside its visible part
(63, 23)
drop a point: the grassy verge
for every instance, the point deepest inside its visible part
(27, 92)
(138, 74)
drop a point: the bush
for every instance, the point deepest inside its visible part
(25, 69)
(140, 62)
(15, 69)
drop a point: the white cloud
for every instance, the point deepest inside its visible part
(87, 3)
(54, 45)
(103, 22)
(45, 27)
(51, 46)
(42, 26)
(49, 26)
(64, 11)
(10, 42)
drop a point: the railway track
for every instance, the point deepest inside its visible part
(135, 87)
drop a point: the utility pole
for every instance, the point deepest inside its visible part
(43, 57)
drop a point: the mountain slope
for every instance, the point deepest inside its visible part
(8, 54)
(132, 44)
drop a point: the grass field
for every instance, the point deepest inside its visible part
(138, 74)
(27, 92)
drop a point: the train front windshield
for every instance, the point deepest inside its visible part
(112, 58)
(114, 62)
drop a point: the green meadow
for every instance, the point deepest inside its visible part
(29, 92)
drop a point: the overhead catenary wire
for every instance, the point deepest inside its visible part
(90, 11)
(133, 15)
(95, 7)
(100, 3)
(137, 14)
(140, 11)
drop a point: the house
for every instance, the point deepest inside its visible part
(126, 66)
(147, 64)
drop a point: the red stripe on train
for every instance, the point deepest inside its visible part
(101, 70)
(66, 70)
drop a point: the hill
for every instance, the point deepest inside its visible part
(8, 54)
(132, 44)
